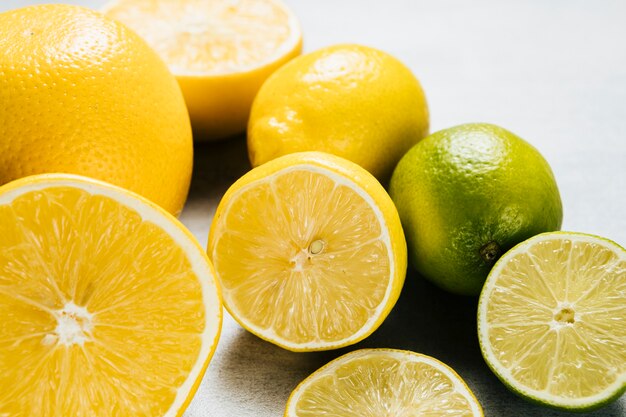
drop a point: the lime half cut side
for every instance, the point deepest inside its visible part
(552, 320)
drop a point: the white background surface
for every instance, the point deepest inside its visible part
(554, 72)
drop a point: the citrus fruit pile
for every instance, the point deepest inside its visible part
(110, 307)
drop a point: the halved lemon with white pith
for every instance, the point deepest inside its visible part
(108, 306)
(309, 251)
(221, 52)
(552, 320)
(383, 382)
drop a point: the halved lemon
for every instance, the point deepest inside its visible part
(383, 382)
(552, 320)
(108, 305)
(220, 51)
(309, 251)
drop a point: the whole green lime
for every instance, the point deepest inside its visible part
(468, 194)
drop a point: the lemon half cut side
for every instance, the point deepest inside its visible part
(220, 51)
(108, 305)
(309, 251)
(552, 320)
(383, 382)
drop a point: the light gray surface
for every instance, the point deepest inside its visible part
(554, 72)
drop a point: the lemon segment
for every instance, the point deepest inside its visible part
(383, 382)
(220, 51)
(108, 306)
(552, 320)
(307, 257)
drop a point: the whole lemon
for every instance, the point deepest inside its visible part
(82, 94)
(465, 196)
(349, 100)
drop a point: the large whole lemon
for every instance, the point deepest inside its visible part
(82, 94)
(466, 195)
(349, 100)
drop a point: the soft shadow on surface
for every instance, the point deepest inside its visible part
(250, 377)
(216, 166)
(264, 371)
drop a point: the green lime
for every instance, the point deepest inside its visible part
(468, 194)
(551, 320)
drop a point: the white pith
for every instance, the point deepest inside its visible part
(74, 320)
(483, 326)
(270, 334)
(331, 368)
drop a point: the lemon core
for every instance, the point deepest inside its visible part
(74, 326)
(300, 259)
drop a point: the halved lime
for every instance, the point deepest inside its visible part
(552, 320)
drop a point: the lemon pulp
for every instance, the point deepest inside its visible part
(302, 256)
(102, 312)
(220, 51)
(382, 382)
(305, 256)
(211, 37)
